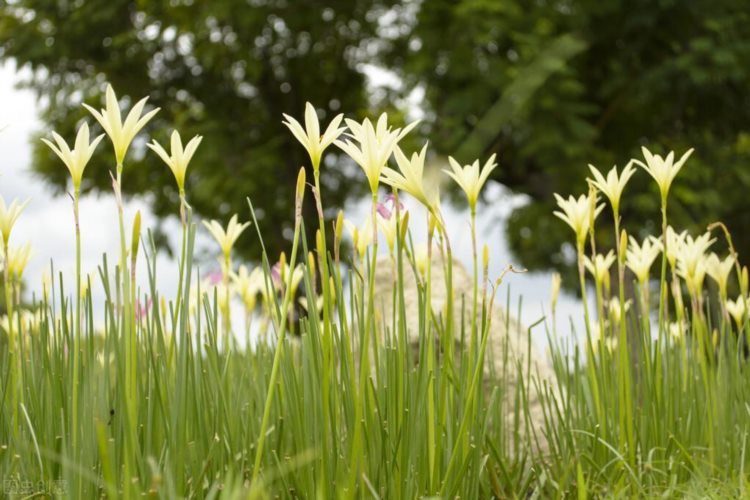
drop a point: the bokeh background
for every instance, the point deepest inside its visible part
(550, 86)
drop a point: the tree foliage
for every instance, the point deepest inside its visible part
(554, 85)
(222, 69)
(550, 85)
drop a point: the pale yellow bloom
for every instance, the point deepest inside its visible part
(470, 178)
(226, 238)
(310, 136)
(421, 258)
(640, 257)
(693, 273)
(361, 236)
(179, 157)
(691, 258)
(600, 265)
(737, 309)
(389, 229)
(121, 133)
(8, 216)
(676, 331)
(16, 260)
(613, 185)
(719, 270)
(318, 303)
(615, 311)
(556, 282)
(663, 170)
(372, 146)
(248, 285)
(577, 214)
(409, 178)
(674, 245)
(77, 158)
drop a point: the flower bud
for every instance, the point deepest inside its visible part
(136, 236)
(300, 193)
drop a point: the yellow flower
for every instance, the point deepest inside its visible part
(640, 258)
(663, 170)
(600, 265)
(692, 253)
(248, 285)
(361, 237)
(179, 158)
(470, 178)
(16, 260)
(421, 258)
(389, 229)
(374, 145)
(77, 158)
(615, 311)
(8, 217)
(614, 184)
(121, 133)
(556, 282)
(674, 244)
(737, 309)
(676, 331)
(226, 238)
(577, 214)
(719, 270)
(409, 179)
(693, 273)
(310, 136)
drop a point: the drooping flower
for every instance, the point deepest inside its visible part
(577, 214)
(640, 257)
(719, 270)
(372, 145)
(179, 157)
(77, 158)
(121, 133)
(8, 216)
(310, 136)
(663, 169)
(469, 177)
(226, 238)
(613, 185)
(409, 178)
(600, 264)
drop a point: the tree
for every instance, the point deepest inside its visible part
(221, 69)
(554, 85)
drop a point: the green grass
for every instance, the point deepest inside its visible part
(335, 403)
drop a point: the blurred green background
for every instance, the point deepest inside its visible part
(549, 86)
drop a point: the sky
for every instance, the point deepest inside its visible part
(47, 221)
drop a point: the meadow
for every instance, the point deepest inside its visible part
(319, 394)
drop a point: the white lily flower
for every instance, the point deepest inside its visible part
(600, 264)
(372, 146)
(8, 216)
(640, 257)
(663, 169)
(179, 157)
(226, 238)
(409, 178)
(470, 178)
(310, 136)
(77, 158)
(613, 185)
(719, 270)
(577, 214)
(121, 133)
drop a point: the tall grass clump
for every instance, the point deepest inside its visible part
(322, 392)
